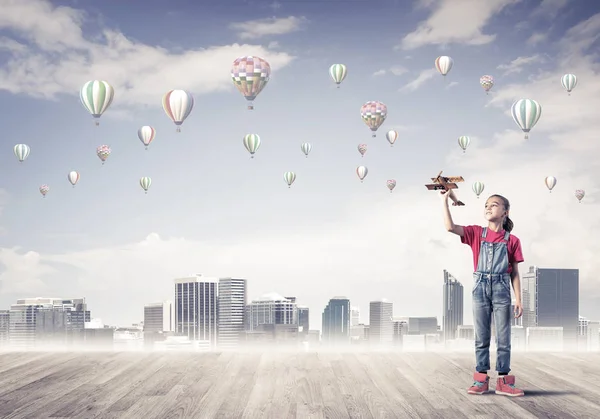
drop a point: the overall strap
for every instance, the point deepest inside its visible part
(484, 233)
(506, 235)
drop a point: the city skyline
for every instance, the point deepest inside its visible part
(211, 209)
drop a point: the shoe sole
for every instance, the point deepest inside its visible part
(477, 392)
(509, 394)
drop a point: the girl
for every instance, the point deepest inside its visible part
(496, 255)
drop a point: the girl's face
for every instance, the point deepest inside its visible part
(494, 210)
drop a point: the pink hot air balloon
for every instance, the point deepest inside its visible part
(391, 184)
(362, 149)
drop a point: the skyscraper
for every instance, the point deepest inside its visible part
(555, 297)
(336, 321)
(196, 308)
(381, 324)
(303, 319)
(453, 305)
(159, 317)
(233, 297)
(354, 316)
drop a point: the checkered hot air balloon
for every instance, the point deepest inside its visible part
(362, 149)
(103, 152)
(526, 113)
(373, 114)
(96, 96)
(250, 75)
(391, 184)
(487, 82)
(579, 194)
(44, 190)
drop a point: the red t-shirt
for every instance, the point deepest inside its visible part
(472, 237)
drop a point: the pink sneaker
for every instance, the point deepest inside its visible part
(506, 386)
(481, 384)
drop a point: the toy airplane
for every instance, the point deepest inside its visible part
(443, 183)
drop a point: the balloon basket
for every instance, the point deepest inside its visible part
(178, 129)
(96, 123)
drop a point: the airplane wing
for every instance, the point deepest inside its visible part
(435, 187)
(434, 180)
(454, 179)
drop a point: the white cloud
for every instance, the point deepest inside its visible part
(549, 8)
(397, 70)
(258, 28)
(36, 70)
(536, 38)
(455, 21)
(516, 65)
(423, 76)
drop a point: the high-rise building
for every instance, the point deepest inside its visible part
(303, 320)
(233, 297)
(159, 317)
(196, 309)
(381, 323)
(555, 294)
(354, 316)
(336, 321)
(4, 327)
(271, 309)
(453, 305)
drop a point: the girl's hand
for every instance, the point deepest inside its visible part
(518, 309)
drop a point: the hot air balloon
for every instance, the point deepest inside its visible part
(250, 75)
(21, 151)
(569, 81)
(73, 177)
(178, 105)
(362, 149)
(103, 152)
(362, 172)
(289, 178)
(391, 136)
(252, 143)
(145, 183)
(391, 184)
(306, 147)
(526, 113)
(550, 182)
(338, 73)
(146, 134)
(44, 190)
(96, 96)
(487, 82)
(478, 188)
(444, 64)
(579, 194)
(464, 142)
(373, 114)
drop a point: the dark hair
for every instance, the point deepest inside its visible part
(508, 225)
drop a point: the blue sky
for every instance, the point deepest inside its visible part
(213, 210)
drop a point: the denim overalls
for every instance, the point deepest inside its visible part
(491, 294)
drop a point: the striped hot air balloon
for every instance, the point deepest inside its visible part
(463, 142)
(178, 105)
(73, 177)
(145, 183)
(250, 75)
(478, 188)
(21, 151)
(569, 81)
(252, 143)
(338, 73)
(526, 113)
(444, 64)
(146, 135)
(362, 172)
(550, 182)
(306, 148)
(289, 178)
(391, 136)
(96, 96)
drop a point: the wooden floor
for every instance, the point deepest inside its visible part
(288, 385)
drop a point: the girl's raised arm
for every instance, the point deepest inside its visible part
(448, 223)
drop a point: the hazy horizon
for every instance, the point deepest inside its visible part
(213, 210)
